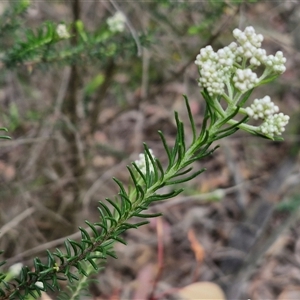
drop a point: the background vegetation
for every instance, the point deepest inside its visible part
(79, 111)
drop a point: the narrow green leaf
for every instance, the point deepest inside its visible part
(127, 200)
(134, 179)
(105, 244)
(92, 227)
(129, 226)
(186, 178)
(161, 170)
(180, 140)
(244, 120)
(106, 209)
(67, 246)
(84, 234)
(152, 160)
(72, 277)
(140, 173)
(94, 265)
(224, 121)
(87, 243)
(116, 207)
(76, 245)
(34, 295)
(112, 254)
(226, 133)
(139, 224)
(166, 147)
(146, 216)
(120, 184)
(245, 98)
(148, 175)
(179, 173)
(120, 240)
(162, 197)
(112, 220)
(203, 132)
(102, 226)
(190, 118)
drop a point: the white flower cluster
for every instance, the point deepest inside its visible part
(217, 67)
(274, 122)
(116, 23)
(276, 62)
(245, 80)
(62, 31)
(262, 108)
(141, 162)
(250, 48)
(249, 42)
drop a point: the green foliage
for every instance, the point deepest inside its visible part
(290, 205)
(44, 45)
(10, 18)
(5, 137)
(116, 215)
(78, 260)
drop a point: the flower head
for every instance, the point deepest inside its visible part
(116, 23)
(237, 61)
(249, 41)
(62, 31)
(274, 124)
(215, 68)
(245, 80)
(262, 108)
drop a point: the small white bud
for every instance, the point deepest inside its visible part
(15, 269)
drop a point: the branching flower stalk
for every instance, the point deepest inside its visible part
(227, 80)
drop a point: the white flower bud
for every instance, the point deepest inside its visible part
(245, 80)
(15, 269)
(141, 162)
(39, 284)
(62, 31)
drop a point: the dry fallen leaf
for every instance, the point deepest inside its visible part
(196, 246)
(202, 291)
(290, 293)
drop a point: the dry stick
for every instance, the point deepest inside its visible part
(263, 242)
(50, 245)
(24, 141)
(145, 74)
(215, 195)
(160, 256)
(237, 176)
(16, 220)
(97, 184)
(75, 162)
(47, 129)
(101, 94)
(257, 254)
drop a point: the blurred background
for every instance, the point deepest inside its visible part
(75, 124)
